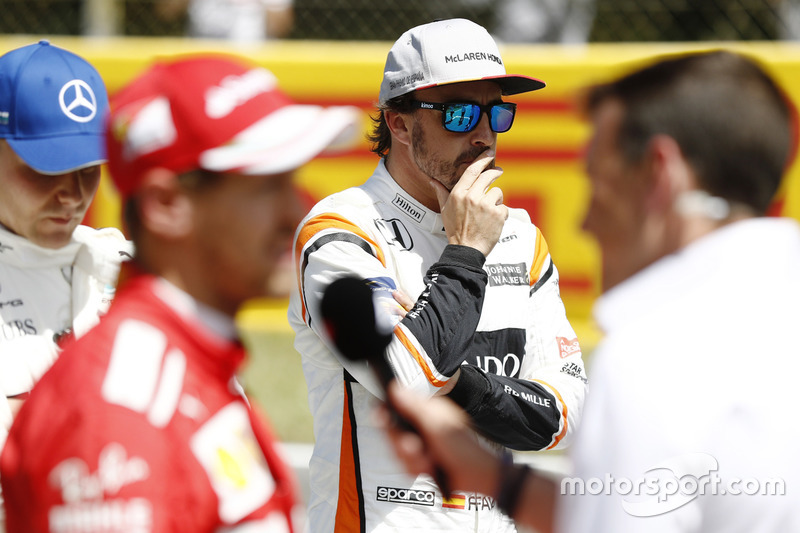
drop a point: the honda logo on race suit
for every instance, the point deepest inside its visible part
(508, 366)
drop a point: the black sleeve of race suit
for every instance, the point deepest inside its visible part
(447, 312)
(517, 413)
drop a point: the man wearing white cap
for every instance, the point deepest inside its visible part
(56, 276)
(496, 340)
(150, 431)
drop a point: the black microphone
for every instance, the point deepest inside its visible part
(361, 331)
(353, 322)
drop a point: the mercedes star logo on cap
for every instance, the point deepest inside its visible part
(78, 91)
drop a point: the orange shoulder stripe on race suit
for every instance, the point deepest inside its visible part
(319, 223)
(540, 256)
(400, 334)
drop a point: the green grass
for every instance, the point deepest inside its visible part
(273, 376)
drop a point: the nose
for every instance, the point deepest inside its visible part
(70, 188)
(483, 135)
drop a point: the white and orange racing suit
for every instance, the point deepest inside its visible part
(500, 319)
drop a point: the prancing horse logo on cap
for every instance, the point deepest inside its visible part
(81, 97)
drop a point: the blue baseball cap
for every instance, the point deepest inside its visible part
(53, 107)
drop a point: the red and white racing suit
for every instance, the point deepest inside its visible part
(139, 427)
(501, 322)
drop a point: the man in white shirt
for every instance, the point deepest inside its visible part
(693, 380)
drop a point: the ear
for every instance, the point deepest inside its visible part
(669, 172)
(165, 209)
(400, 126)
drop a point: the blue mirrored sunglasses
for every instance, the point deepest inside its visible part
(463, 117)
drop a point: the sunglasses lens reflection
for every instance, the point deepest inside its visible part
(462, 118)
(501, 118)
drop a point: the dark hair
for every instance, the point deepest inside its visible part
(381, 137)
(730, 119)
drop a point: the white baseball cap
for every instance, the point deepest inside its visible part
(447, 51)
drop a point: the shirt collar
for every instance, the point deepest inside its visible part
(414, 211)
(19, 251)
(190, 309)
(669, 277)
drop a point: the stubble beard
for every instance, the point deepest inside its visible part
(444, 172)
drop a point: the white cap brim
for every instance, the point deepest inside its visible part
(286, 140)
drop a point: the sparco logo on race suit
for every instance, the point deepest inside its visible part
(410, 496)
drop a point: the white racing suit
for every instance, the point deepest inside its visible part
(522, 378)
(47, 293)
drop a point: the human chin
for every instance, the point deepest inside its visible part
(450, 180)
(445, 172)
(53, 239)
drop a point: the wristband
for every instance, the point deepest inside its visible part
(509, 492)
(61, 337)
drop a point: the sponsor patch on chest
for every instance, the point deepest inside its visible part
(227, 449)
(409, 207)
(507, 274)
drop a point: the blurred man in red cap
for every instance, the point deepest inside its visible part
(151, 432)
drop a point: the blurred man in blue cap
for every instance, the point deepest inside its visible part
(56, 275)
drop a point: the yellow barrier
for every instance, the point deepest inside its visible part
(541, 153)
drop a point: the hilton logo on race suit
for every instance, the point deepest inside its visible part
(507, 274)
(409, 208)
